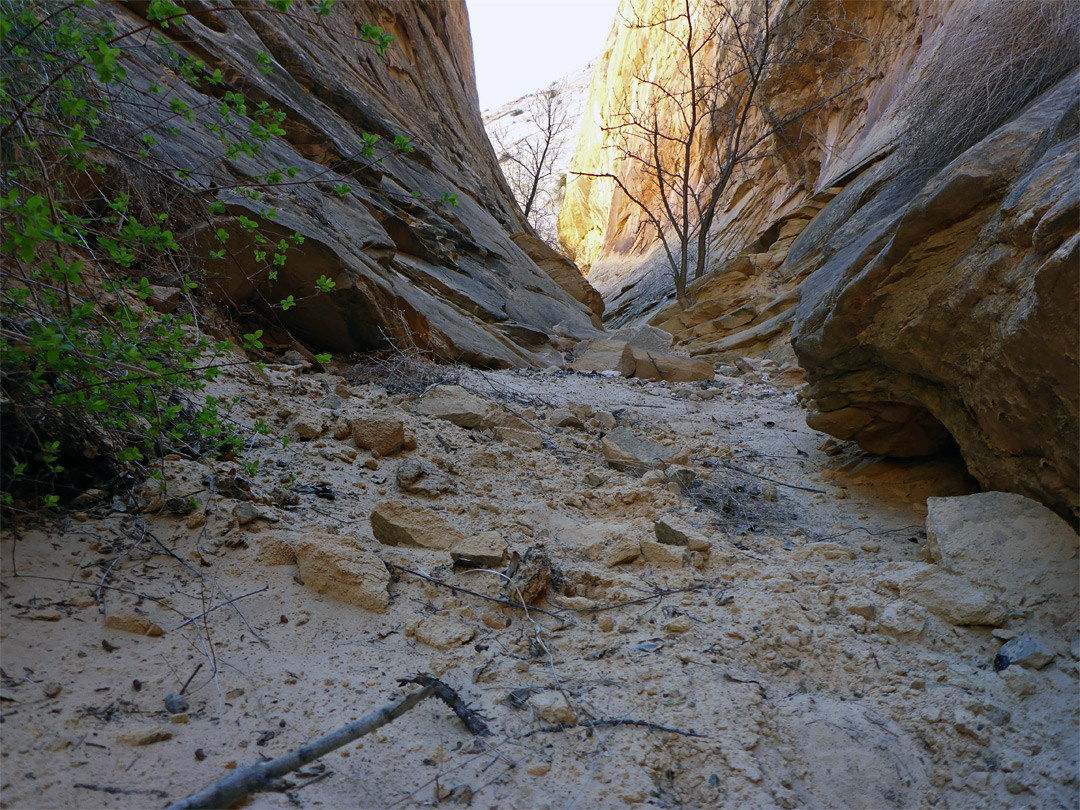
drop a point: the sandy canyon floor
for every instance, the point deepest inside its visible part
(768, 661)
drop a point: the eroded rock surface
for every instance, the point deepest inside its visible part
(408, 269)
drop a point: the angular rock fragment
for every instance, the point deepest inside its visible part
(564, 418)
(902, 619)
(443, 632)
(529, 439)
(341, 568)
(395, 523)
(456, 405)
(415, 476)
(674, 532)
(484, 550)
(133, 623)
(1027, 651)
(379, 434)
(604, 355)
(626, 452)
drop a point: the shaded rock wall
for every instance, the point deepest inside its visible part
(932, 293)
(409, 269)
(957, 310)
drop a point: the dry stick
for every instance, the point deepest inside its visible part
(223, 604)
(446, 693)
(458, 589)
(262, 775)
(739, 469)
(616, 723)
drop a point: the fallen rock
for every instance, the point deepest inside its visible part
(341, 568)
(1007, 542)
(564, 418)
(530, 582)
(175, 704)
(604, 355)
(681, 369)
(902, 619)
(620, 552)
(415, 476)
(624, 451)
(551, 707)
(1027, 651)
(145, 737)
(484, 550)
(456, 405)
(529, 439)
(305, 429)
(274, 550)
(674, 532)
(443, 632)
(954, 598)
(395, 523)
(379, 434)
(667, 556)
(133, 623)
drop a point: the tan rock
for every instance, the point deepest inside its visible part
(146, 737)
(565, 418)
(604, 355)
(621, 551)
(381, 434)
(130, 622)
(952, 597)
(395, 523)
(624, 451)
(274, 550)
(484, 550)
(341, 568)
(1008, 543)
(443, 632)
(675, 532)
(681, 369)
(529, 439)
(902, 619)
(456, 405)
(663, 555)
(551, 707)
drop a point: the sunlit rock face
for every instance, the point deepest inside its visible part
(408, 268)
(927, 283)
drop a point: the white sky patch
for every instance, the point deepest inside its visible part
(524, 45)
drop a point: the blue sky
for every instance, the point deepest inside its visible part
(524, 45)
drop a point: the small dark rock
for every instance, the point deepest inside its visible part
(174, 704)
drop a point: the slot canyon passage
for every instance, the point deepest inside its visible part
(797, 532)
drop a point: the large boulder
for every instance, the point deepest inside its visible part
(1008, 543)
(950, 315)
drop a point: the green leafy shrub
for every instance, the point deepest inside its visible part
(93, 381)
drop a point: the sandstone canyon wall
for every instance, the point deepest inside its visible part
(918, 251)
(408, 268)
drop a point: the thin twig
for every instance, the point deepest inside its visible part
(615, 723)
(458, 589)
(223, 604)
(739, 469)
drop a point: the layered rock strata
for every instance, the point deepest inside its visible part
(407, 268)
